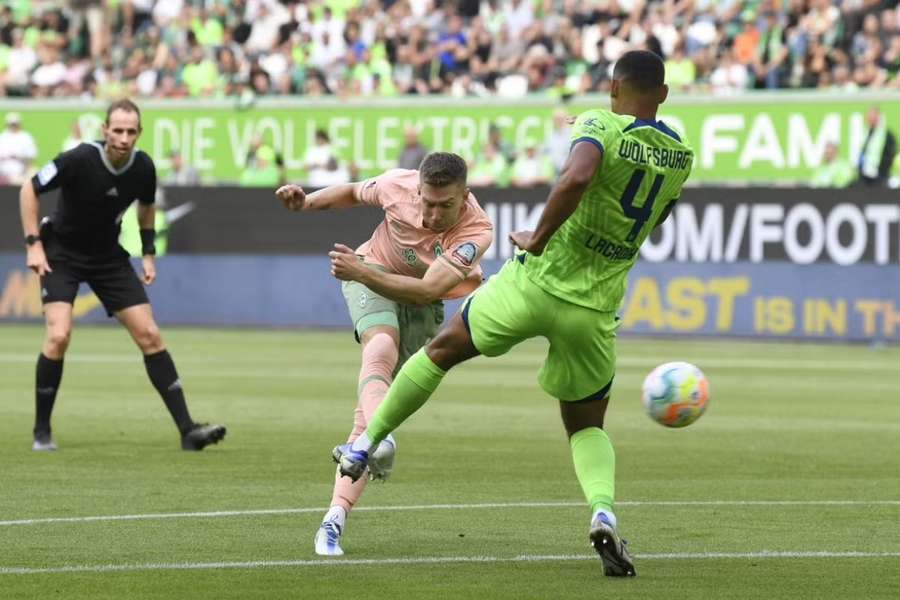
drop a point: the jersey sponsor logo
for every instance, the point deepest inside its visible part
(409, 255)
(609, 249)
(465, 253)
(47, 173)
(663, 158)
(593, 124)
(112, 191)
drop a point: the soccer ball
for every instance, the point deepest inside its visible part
(675, 394)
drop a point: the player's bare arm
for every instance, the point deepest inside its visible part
(576, 174)
(146, 216)
(436, 283)
(29, 209)
(295, 198)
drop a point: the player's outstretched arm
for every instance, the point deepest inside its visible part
(344, 195)
(29, 209)
(437, 282)
(576, 174)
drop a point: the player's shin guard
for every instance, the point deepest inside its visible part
(595, 467)
(47, 377)
(412, 387)
(379, 357)
(164, 377)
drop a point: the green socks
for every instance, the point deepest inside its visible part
(592, 452)
(595, 467)
(411, 388)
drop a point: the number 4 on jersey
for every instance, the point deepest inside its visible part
(640, 214)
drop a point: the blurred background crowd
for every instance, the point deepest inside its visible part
(195, 48)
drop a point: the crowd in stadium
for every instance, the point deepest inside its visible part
(194, 48)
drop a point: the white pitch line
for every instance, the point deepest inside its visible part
(268, 564)
(485, 505)
(711, 362)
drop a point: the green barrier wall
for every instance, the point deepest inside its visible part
(761, 138)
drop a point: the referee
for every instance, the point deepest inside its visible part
(79, 243)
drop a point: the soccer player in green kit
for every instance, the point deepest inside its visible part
(624, 173)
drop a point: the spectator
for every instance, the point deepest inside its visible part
(181, 174)
(746, 42)
(17, 151)
(559, 141)
(413, 151)
(489, 168)
(452, 48)
(201, 75)
(680, 70)
(319, 161)
(263, 172)
(332, 173)
(21, 61)
(531, 168)
(730, 76)
(495, 137)
(834, 172)
(877, 155)
(770, 62)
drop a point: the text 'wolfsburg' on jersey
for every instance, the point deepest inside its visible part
(644, 166)
(94, 196)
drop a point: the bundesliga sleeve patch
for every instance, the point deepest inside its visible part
(465, 253)
(593, 126)
(47, 173)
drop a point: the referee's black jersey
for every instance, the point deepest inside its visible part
(94, 195)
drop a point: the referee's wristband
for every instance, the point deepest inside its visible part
(148, 238)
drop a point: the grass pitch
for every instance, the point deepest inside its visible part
(789, 486)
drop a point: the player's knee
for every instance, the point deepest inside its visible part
(448, 349)
(381, 353)
(149, 338)
(583, 414)
(58, 339)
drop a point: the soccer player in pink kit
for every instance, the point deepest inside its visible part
(426, 250)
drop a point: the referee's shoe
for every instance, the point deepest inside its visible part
(202, 435)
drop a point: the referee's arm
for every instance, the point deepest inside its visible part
(146, 216)
(29, 209)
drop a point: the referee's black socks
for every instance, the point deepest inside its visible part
(164, 377)
(48, 376)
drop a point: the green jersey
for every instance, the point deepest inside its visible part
(644, 166)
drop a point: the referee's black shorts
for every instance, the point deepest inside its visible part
(112, 279)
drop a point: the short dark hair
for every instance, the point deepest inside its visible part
(642, 69)
(123, 104)
(441, 169)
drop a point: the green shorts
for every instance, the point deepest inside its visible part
(416, 325)
(510, 308)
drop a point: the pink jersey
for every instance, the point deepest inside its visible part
(401, 243)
